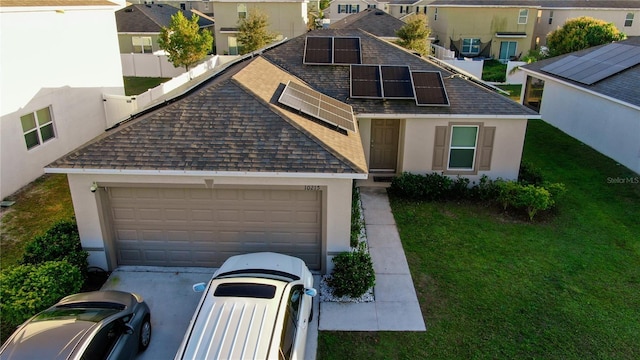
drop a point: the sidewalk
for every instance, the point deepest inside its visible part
(396, 306)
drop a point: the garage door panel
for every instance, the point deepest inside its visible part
(203, 227)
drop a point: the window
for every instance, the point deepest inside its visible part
(628, 21)
(435, 14)
(141, 44)
(522, 18)
(462, 151)
(539, 17)
(37, 127)
(233, 45)
(290, 326)
(424, 10)
(348, 9)
(550, 17)
(470, 46)
(371, 6)
(242, 11)
(507, 50)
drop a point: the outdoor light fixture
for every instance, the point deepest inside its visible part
(93, 187)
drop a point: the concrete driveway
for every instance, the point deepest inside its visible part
(172, 301)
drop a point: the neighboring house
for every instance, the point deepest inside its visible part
(339, 9)
(263, 156)
(373, 21)
(287, 19)
(483, 28)
(506, 29)
(203, 6)
(57, 58)
(403, 8)
(139, 26)
(624, 14)
(592, 95)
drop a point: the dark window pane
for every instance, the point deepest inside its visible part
(47, 132)
(32, 139)
(461, 158)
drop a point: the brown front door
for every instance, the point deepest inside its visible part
(384, 145)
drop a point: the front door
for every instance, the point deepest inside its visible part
(384, 145)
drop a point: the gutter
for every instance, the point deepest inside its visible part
(204, 173)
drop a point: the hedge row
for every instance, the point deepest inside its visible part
(54, 265)
(530, 193)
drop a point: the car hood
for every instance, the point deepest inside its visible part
(37, 339)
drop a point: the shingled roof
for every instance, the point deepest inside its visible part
(373, 21)
(465, 97)
(151, 18)
(622, 86)
(233, 122)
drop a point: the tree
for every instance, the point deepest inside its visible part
(581, 33)
(413, 34)
(253, 32)
(183, 40)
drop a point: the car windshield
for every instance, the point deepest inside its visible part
(79, 312)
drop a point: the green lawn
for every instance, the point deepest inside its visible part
(138, 85)
(494, 71)
(514, 91)
(564, 287)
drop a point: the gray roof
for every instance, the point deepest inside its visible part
(150, 18)
(233, 121)
(585, 4)
(466, 98)
(373, 21)
(622, 86)
(403, 2)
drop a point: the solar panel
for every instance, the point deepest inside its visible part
(596, 65)
(366, 81)
(346, 50)
(429, 88)
(318, 50)
(396, 82)
(318, 105)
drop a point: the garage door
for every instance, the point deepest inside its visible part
(203, 227)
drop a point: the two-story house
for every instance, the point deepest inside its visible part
(57, 58)
(483, 28)
(287, 19)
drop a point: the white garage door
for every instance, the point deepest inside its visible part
(203, 227)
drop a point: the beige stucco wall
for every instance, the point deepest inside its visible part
(478, 22)
(416, 145)
(560, 16)
(65, 59)
(336, 206)
(287, 19)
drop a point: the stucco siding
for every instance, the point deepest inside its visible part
(611, 128)
(70, 76)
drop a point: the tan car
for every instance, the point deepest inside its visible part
(256, 306)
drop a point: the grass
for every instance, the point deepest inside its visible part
(138, 85)
(490, 286)
(513, 90)
(38, 206)
(494, 71)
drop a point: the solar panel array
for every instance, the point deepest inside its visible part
(429, 88)
(318, 105)
(596, 65)
(332, 50)
(398, 82)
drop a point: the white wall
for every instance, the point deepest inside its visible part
(64, 59)
(611, 128)
(336, 208)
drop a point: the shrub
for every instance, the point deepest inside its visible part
(352, 274)
(529, 174)
(356, 221)
(436, 186)
(60, 242)
(408, 185)
(507, 193)
(533, 199)
(28, 289)
(486, 190)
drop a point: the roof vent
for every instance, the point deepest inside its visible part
(379, 12)
(128, 10)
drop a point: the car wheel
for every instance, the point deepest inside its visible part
(145, 334)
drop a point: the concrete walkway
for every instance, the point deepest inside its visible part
(396, 306)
